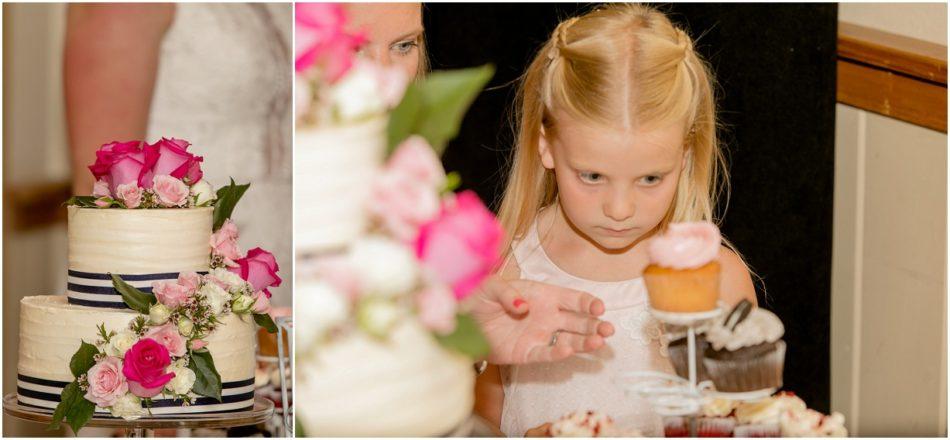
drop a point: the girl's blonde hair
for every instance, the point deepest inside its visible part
(626, 64)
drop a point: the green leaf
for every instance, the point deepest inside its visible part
(466, 339)
(80, 413)
(264, 320)
(434, 107)
(228, 197)
(83, 359)
(82, 201)
(298, 429)
(208, 381)
(452, 181)
(70, 397)
(134, 298)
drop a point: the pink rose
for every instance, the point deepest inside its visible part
(130, 194)
(198, 344)
(144, 367)
(259, 268)
(321, 39)
(461, 247)
(106, 382)
(261, 303)
(171, 294)
(123, 162)
(406, 194)
(437, 307)
(190, 281)
(101, 189)
(224, 242)
(168, 336)
(103, 202)
(416, 158)
(175, 160)
(170, 191)
(686, 245)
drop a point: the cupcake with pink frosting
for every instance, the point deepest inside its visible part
(683, 275)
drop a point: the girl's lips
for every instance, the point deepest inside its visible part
(617, 232)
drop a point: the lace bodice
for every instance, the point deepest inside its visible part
(224, 84)
(540, 393)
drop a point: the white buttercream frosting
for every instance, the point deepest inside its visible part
(139, 241)
(333, 169)
(406, 385)
(51, 331)
(759, 327)
(768, 410)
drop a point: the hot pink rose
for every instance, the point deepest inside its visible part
(170, 191)
(261, 303)
(461, 247)
(130, 194)
(123, 162)
(171, 294)
(321, 39)
(101, 189)
(144, 368)
(106, 382)
(190, 281)
(437, 307)
(259, 268)
(224, 242)
(175, 160)
(168, 336)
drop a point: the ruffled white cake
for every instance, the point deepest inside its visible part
(406, 385)
(333, 168)
(143, 246)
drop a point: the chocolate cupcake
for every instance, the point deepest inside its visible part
(679, 356)
(745, 351)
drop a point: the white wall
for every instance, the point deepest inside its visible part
(889, 274)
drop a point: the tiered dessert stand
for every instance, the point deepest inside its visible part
(671, 395)
(262, 411)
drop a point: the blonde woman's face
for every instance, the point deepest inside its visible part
(614, 185)
(393, 30)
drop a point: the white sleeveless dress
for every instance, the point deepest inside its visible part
(539, 393)
(224, 84)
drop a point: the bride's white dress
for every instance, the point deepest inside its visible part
(225, 84)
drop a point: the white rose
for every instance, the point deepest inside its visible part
(121, 342)
(385, 267)
(216, 296)
(357, 94)
(377, 316)
(203, 192)
(182, 382)
(185, 326)
(242, 304)
(158, 314)
(128, 407)
(231, 278)
(319, 308)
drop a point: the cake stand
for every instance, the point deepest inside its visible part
(671, 395)
(261, 412)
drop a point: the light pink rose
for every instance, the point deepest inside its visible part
(175, 160)
(171, 294)
(123, 162)
(198, 344)
(259, 268)
(461, 247)
(416, 158)
(220, 283)
(224, 242)
(686, 245)
(261, 303)
(170, 191)
(437, 308)
(103, 202)
(168, 336)
(144, 368)
(403, 204)
(130, 194)
(190, 281)
(101, 189)
(106, 382)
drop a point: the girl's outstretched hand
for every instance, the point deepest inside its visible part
(520, 317)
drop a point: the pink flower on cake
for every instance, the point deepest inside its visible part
(175, 160)
(321, 39)
(106, 382)
(130, 194)
(101, 189)
(103, 202)
(123, 162)
(171, 293)
(170, 191)
(168, 336)
(190, 281)
(406, 194)
(461, 247)
(416, 158)
(144, 368)
(261, 303)
(437, 307)
(198, 344)
(224, 242)
(259, 268)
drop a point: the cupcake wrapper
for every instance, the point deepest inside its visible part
(742, 375)
(679, 356)
(675, 427)
(758, 430)
(715, 427)
(683, 291)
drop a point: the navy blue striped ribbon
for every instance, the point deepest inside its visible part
(107, 296)
(163, 403)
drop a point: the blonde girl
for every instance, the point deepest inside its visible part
(616, 139)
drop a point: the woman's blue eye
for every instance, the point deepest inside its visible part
(404, 47)
(652, 180)
(590, 177)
